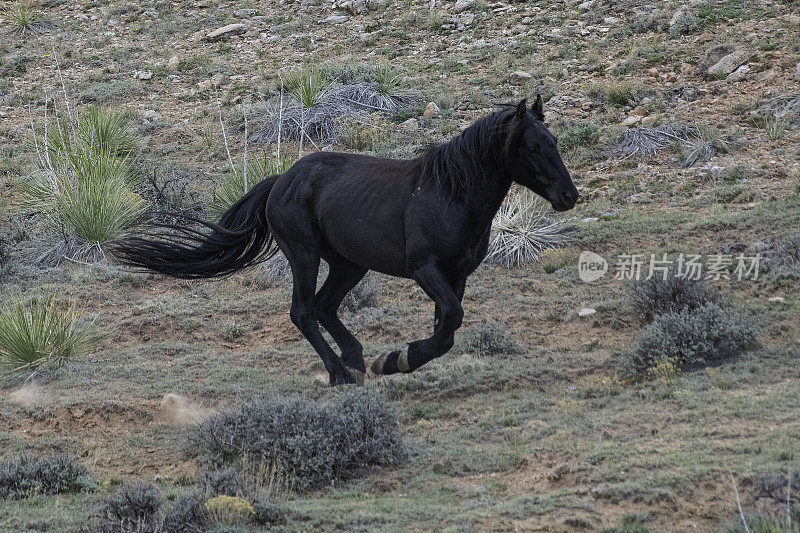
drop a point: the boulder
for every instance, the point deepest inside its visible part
(729, 63)
(226, 31)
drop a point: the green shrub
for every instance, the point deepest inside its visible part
(364, 295)
(657, 296)
(306, 85)
(269, 512)
(184, 515)
(691, 338)
(135, 506)
(487, 338)
(317, 444)
(238, 183)
(685, 24)
(85, 190)
(578, 135)
(23, 15)
(27, 476)
(40, 334)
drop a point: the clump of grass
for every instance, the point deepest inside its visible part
(617, 94)
(656, 296)
(316, 444)
(309, 110)
(708, 143)
(40, 334)
(387, 77)
(25, 476)
(84, 190)
(306, 85)
(364, 295)
(691, 338)
(487, 339)
(685, 23)
(522, 229)
(238, 182)
(24, 16)
(581, 134)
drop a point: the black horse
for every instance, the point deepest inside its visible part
(427, 219)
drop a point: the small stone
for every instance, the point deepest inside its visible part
(226, 31)
(143, 75)
(409, 125)
(205, 85)
(638, 111)
(431, 110)
(217, 79)
(652, 72)
(586, 6)
(173, 63)
(729, 63)
(586, 311)
(336, 19)
(648, 120)
(631, 121)
(739, 74)
(463, 5)
(589, 220)
(609, 215)
(776, 299)
(520, 76)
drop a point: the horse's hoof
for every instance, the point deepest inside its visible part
(391, 363)
(357, 375)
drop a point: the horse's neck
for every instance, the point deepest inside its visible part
(484, 203)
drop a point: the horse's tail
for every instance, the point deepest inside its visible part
(240, 239)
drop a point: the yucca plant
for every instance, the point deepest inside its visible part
(107, 130)
(87, 194)
(306, 85)
(85, 190)
(387, 77)
(40, 334)
(24, 15)
(522, 229)
(238, 183)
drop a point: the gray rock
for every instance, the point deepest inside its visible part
(586, 311)
(226, 31)
(729, 63)
(409, 125)
(739, 74)
(463, 5)
(520, 76)
(143, 75)
(335, 19)
(173, 62)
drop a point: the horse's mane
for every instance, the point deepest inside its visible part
(458, 166)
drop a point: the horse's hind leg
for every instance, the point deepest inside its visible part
(342, 277)
(448, 319)
(302, 252)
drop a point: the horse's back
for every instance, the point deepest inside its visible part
(356, 202)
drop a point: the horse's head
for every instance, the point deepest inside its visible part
(534, 159)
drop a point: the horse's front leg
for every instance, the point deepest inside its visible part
(448, 319)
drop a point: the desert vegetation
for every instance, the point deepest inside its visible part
(132, 402)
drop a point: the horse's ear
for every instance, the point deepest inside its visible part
(522, 109)
(538, 108)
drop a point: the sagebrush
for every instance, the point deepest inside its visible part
(317, 444)
(28, 476)
(652, 297)
(691, 338)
